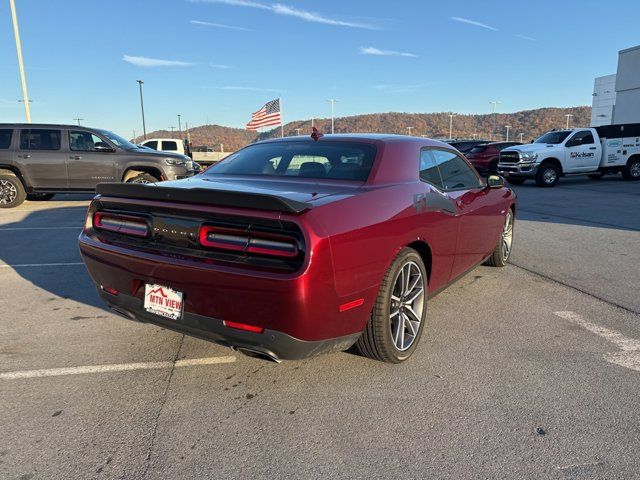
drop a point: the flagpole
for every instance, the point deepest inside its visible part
(281, 121)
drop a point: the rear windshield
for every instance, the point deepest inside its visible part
(330, 160)
(478, 149)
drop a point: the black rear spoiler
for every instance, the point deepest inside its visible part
(203, 196)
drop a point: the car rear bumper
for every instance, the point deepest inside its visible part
(272, 344)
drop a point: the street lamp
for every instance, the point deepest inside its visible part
(494, 104)
(172, 129)
(23, 78)
(451, 115)
(179, 126)
(409, 129)
(332, 101)
(507, 127)
(521, 135)
(568, 115)
(144, 127)
(298, 131)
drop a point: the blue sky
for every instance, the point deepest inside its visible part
(221, 60)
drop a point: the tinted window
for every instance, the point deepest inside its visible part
(428, 169)
(39, 139)
(455, 172)
(331, 160)
(85, 141)
(152, 144)
(479, 149)
(553, 137)
(584, 137)
(170, 146)
(5, 138)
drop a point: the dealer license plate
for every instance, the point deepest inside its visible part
(163, 301)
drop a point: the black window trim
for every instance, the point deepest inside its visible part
(443, 190)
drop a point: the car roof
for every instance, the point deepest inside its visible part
(44, 125)
(362, 137)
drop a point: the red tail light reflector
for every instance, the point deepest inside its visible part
(109, 290)
(126, 224)
(248, 241)
(243, 326)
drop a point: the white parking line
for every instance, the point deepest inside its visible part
(629, 357)
(29, 265)
(39, 228)
(121, 367)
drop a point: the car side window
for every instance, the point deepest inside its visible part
(455, 172)
(429, 169)
(80, 141)
(151, 144)
(584, 137)
(169, 146)
(39, 139)
(5, 138)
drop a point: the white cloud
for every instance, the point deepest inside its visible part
(524, 37)
(217, 25)
(154, 62)
(220, 66)
(474, 23)
(280, 9)
(384, 53)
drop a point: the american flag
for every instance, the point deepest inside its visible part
(268, 115)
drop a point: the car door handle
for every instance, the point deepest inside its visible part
(26, 155)
(75, 157)
(592, 148)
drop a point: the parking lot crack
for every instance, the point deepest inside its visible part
(163, 400)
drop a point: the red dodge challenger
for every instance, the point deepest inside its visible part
(299, 246)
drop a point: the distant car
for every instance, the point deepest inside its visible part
(485, 157)
(464, 146)
(39, 160)
(173, 145)
(294, 247)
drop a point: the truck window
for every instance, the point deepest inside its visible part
(5, 138)
(553, 138)
(585, 137)
(151, 144)
(170, 146)
(39, 139)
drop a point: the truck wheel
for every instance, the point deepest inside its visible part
(516, 181)
(632, 170)
(500, 255)
(596, 176)
(12, 192)
(399, 314)
(39, 197)
(548, 175)
(143, 178)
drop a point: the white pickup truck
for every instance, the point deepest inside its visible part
(578, 151)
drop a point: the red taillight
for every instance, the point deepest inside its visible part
(248, 241)
(243, 326)
(126, 224)
(109, 290)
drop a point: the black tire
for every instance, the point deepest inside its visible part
(39, 197)
(548, 175)
(500, 256)
(596, 176)
(632, 170)
(516, 181)
(377, 341)
(143, 178)
(12, 191)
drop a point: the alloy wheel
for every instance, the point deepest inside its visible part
(634, 170)
(8, 192)
(549, 176)
(407, 305)
(507, 236)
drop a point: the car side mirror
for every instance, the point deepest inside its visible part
(495, 181)
(103, 147)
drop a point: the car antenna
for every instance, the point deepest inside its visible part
(315, 134)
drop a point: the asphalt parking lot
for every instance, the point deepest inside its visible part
(531, 371)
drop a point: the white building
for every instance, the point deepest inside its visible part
(616, 98)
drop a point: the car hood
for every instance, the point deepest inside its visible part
(307, 190)
(531, 147)
(149, 152)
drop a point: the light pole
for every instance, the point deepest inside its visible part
(494, 104)
(144, 127)
(23, 78)
(568, 115)
(78, 120)
(451, 115)
(521, 135)
(332, 101)
(298, 131)
(409, 129)
(179, 126)
(172, 129)
(507, 127)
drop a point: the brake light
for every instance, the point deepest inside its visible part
(126, 224)
(243, 326)
(248, 241)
